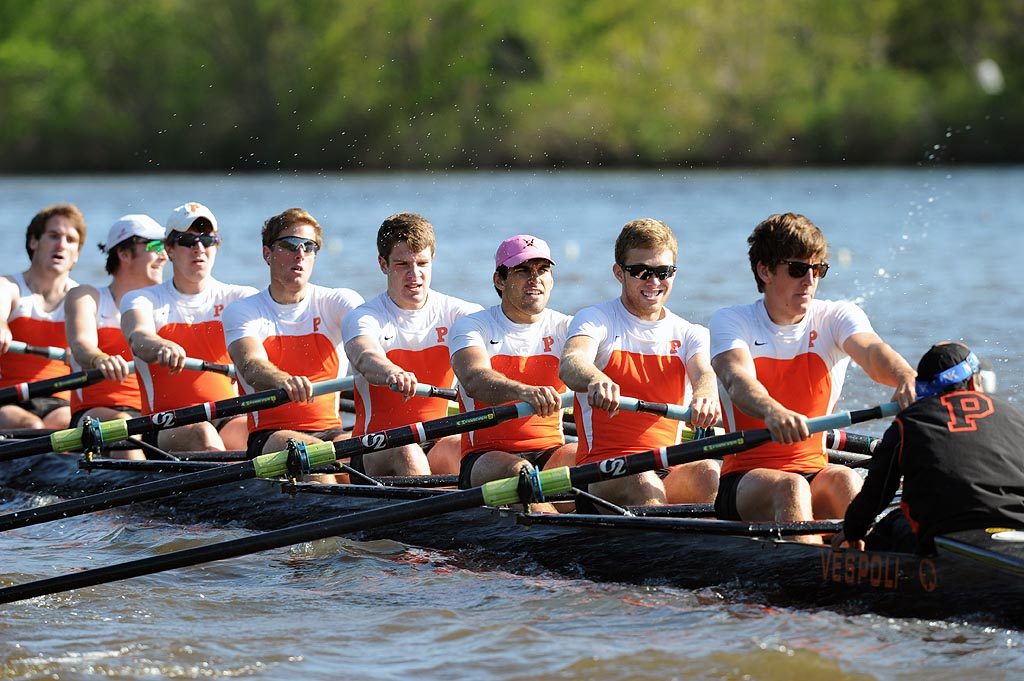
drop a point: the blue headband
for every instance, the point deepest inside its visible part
(951, 376)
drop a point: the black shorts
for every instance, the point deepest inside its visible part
(538, 458)
(725, 502)
(76, 418)
(258, 438)
(41, 406)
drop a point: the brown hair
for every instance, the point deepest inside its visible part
(645, 233)
(782, 237)
(38, 224)
(273, 227)
(411, 228)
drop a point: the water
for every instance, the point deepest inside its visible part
(930, 253)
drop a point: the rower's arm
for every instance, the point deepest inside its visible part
(252, 363)
(580, 374)
(481, 382)
(883, 365)
(9, 296)
(368, 358)
(879, 488)
(139, 329)
(752, 398)
(704, 405)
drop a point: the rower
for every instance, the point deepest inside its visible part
(635, 346)
(399, 339)
(783, 359)
(957, 450)
(508, 353)
(32, 311)
(288, 336)
(135, 259)
(182, 318)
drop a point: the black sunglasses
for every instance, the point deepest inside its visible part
(296, 244)
(188, 239)
(798, 269)
(645, 272)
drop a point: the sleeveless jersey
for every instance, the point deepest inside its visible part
(648, 361)
(195, 322)
(301, 339)
(414, 340)
(110, 341)
(31, 324)
(527, 353)
(802, 365)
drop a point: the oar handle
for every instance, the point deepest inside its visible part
(672, 411)
(48, 351)
(424, 390)
(193, 364)
(332, 386)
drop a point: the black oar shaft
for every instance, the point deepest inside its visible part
(27, 391)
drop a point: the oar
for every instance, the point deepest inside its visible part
(274, 464)
(112, 431)
(47, 351)
(496, 493)
(855, 443)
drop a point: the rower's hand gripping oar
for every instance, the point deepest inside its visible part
(298, 460)
(496, 493)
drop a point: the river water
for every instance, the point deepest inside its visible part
(930, 253)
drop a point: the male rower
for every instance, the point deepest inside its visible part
(783, 359)
(398, 339)
(509, 353)
(182, 318)
(135, 259)
(635, 346)
(32, 311)
(288, 336)
(958, 452)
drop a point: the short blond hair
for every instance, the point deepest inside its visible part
(645, 233)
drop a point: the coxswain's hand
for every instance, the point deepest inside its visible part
(839, 541)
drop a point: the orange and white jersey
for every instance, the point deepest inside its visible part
(111, 341)
(415, 340)
(802, 366)
(527, 353)
(195, 322)
(648, 361)
(301, 339)
(31, 324)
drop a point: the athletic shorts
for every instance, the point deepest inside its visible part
(725, 502)
(258, 438)
(538, 458)
(76, 418)
(41, 406)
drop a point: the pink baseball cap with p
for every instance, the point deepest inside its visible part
(518, 249)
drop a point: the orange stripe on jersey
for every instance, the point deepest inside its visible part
(390, 410)
(204, 340)
(802, 384)
(15, 368)
(654, 378)
(521, 435)
(314, 357)
(107, 393)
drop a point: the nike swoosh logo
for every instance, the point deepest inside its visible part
(495, 342)
(387, 338)
(761, 343)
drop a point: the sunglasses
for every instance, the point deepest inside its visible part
(188, 239)
(296, 244)
(152, 245)
(645, 272)
(798, 269)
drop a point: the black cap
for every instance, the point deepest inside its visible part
(939, 358)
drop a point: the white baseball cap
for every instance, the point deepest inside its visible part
(133, 225)
(183, 216)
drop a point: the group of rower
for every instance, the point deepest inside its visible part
(769, 364)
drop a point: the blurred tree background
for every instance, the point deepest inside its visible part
(385, 84)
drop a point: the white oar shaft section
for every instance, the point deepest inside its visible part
(332, 386)
(843, 418)
(48, 351)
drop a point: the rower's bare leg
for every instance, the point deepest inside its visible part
(767, 494)
(14, 417)
(108, 414)
(642, 489)
(405, 460)
(832, 490)
(195, 437)
(497, 465)
(446, 456)
(235, 434)
(693, 483)
(563, 456)
(59, 418)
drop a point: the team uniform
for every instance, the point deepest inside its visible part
(123, 396)
(301, 339)
(527, 353)
(647, 359)
(31, 324)
(959, 456)
(195, 322)
(415, 340)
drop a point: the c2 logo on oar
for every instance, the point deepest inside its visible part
(375, 441)
(164, 419)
